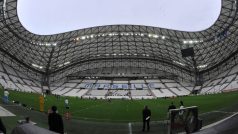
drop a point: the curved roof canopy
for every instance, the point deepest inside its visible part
(53, 53)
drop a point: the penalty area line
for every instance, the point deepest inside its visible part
(130, 128)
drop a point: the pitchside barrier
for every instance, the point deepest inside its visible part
(184, 120)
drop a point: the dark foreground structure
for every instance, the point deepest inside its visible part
(228, 126)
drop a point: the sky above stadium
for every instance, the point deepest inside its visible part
(46, 17)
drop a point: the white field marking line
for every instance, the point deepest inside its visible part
(15, 105)
(130, 128)
(225, 112)
(119, 121)
(218, 122)
(5, 112)
(217, 112)
(88, 118)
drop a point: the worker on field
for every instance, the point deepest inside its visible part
(55, 121)
(146, 113)
(181, 108)
(171, 115)
(66, 103)
(5, 97)
(172, 106)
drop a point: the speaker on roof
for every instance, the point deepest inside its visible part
(187, 52)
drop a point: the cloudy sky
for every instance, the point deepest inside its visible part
(56, 16)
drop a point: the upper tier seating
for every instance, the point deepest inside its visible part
(15, 80)
(163, 93)
(227, 81)
(124, 89)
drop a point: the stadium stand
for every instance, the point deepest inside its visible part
(17, 81)
(136, 89)
(222, 83)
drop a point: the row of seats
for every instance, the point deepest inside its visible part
(15, 80)
(121, 71)
(112, 88)
(118, 94)
(226, 81)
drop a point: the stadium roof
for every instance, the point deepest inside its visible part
(53, 53)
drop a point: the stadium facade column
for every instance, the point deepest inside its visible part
(197, 77)
(45, 82)
(189, 52)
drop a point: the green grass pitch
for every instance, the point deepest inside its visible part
(124, 110)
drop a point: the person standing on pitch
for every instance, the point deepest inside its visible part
(181, 105)
(172, 106)
(146, 118)
(66, 103)
(55, 121)
(181, 108)
(171, 115)
(5, 98)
